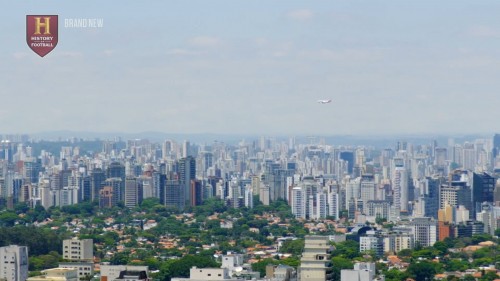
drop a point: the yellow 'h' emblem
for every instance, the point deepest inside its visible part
(45, 25)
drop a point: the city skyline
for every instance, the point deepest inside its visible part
(244, 68)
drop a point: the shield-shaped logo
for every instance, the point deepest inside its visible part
(41, 33)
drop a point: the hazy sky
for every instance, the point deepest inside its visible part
(255, 67)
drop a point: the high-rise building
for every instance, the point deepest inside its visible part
(425, 231)
(321, 210)
(106, 197)
(186, 149)
(97, 177)
(264, 195)
(483, 186)
(133, 192)
(496, 195)
(32, 169)
(348, 156)
(397, 241)
(352, 190)
(187, 172)
(118, 190)
(372, 241)
(447, 214)
(400, 188)
(378, 208)
(488, 217)
(248, 195)
(14, 263)
(116, 170)
(333, 204)
(85, 188)
(367, 188)
(469, 157)
(431, 197)
(496, 145)
(196, 192)
(173, 194)
(299, 202)
(315, 263)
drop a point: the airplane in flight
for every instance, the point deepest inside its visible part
(324, 101)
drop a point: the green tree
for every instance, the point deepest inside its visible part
(149, 203)
(468, 277)
(457, 265)
(339, 263)
(489, 276)
(348, 249)
(260, 266)
(478, 238)
(181, 267)
(422, 270)
(120, 258)
(8, 219)
(396, 275)
(291, 261)
(441, 247)
(294, 247)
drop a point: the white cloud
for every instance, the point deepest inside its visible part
(301, 15)
(205, 41)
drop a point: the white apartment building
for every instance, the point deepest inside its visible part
(315, 264)
(14, 263)
(78, 250)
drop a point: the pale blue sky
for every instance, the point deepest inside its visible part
(256, 67)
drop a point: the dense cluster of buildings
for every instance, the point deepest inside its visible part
(429, 191)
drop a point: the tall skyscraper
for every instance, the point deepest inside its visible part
(116, 170)
(117, 190)
(367, 188)
(97, 177)
(172, 196)
(483, 186)
(431, 197)
(496, 145)
(186, 149)
(400, 189)
(106, 197)
(348, 156)
(187, 172)
(299, 202)
(196, 193)
(133, 192)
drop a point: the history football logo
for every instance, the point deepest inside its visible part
(42, 33)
